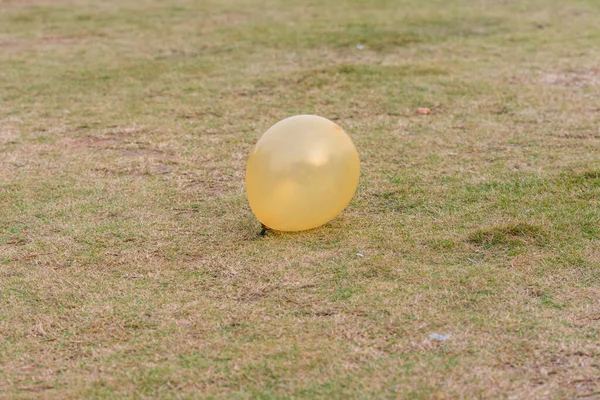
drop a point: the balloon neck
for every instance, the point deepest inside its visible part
(265, 230)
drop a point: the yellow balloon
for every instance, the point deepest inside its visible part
(302, 173)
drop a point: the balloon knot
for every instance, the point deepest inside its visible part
(265, 230)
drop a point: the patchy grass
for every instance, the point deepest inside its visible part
(510, 235)
(130, 263)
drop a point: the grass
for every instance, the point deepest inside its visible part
(130, 263)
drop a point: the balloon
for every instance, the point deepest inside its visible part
(302, 173)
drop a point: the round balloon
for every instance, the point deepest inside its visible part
(302, 173)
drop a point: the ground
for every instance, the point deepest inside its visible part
(130, 262)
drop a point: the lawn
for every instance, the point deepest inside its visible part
(466, 266)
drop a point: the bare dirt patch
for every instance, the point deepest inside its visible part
(579, 79)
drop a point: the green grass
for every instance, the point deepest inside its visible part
(130, 263)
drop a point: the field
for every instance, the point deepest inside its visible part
(466, 266)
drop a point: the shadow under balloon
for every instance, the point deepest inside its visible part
(252, 230)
